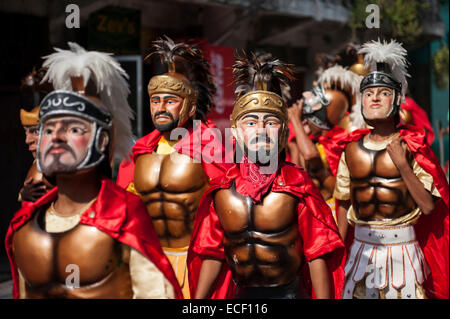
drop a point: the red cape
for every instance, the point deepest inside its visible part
(198, 144)
(419, 118)
(319, 233)
(431, 230)
(333, 144)
(118, 213)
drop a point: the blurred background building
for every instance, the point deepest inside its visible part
(292, 30)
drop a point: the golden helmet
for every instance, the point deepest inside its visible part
(188, 76)
(261, 86)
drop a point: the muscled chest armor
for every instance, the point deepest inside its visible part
(171, 190)
(377, 190)
(261, 241)
(51, 262)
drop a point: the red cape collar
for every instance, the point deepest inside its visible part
(191, 144)
(104, 212)
(289, 178)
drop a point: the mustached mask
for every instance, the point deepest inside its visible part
(387, 64)
(261, 85)
(90, 85)
(68, 103)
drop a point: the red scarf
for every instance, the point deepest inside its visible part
(251, 182)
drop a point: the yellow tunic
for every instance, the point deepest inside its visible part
(331, 201)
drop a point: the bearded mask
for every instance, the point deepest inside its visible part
(90, 88)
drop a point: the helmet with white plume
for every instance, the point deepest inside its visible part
(90, 85)
(387, 64)
(332, 97)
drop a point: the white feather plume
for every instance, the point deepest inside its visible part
(109, 78)
(338, 76)
(391, 53)
(348, 81)
(356, 117)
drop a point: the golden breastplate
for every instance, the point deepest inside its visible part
(171, 191)
(49, 262)
(260, 241)
(377, 190)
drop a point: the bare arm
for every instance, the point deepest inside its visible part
(306, 147)
(342, 218)
(397, 152)
(319, 278)
(309, 155)
(208, 273)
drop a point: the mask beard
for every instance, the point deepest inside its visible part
(261, 155)
(56, 167)
(165, 127)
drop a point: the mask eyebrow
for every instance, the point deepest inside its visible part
(170, 97)
(270, 115)
(250, 116)
(65, 122)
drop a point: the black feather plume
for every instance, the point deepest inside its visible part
(252, 73)
(188, 60)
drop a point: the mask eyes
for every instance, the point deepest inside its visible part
(77, 130)
(48, 131)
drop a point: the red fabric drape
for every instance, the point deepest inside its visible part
(202, 143)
